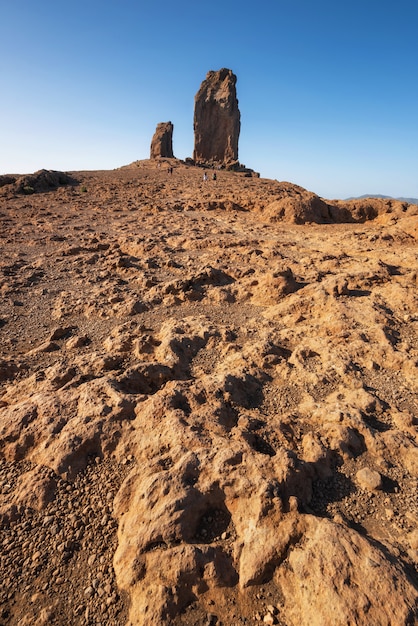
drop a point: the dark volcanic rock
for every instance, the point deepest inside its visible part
(7, 180)
(162, 141)
(217, 118)
(43, 180)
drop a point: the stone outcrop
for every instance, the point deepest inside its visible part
(217, 118)
(208, 415)
(162, 141)
(43, 180)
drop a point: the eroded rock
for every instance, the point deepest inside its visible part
(217, 119)
(200, 411)
(162, 141)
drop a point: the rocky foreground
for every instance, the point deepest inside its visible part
(208, 406)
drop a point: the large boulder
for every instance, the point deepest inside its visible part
(40, 181)
(217, 119)
(162, 141)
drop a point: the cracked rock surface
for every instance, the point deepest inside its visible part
(208, 402)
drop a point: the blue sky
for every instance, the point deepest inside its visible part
(328, 91)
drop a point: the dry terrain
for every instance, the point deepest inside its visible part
(208, 402)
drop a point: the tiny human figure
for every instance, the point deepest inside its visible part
(205, 176)
(214, 176)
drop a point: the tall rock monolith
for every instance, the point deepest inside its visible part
(162, 141)
(217, 119)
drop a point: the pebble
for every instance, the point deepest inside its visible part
(40, 551)
(35, 597)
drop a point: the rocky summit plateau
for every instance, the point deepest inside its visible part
(209, 401)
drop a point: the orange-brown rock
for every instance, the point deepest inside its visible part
(217, 119)
(208, 403)
(162, 141)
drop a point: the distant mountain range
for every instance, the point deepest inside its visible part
(376, 195)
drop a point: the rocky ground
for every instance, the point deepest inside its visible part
(208, 405)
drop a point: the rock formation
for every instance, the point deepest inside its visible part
(217, 119)
(43, 180)
(162, 141)
(208, 404)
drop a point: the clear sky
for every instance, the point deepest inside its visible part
(328, 91)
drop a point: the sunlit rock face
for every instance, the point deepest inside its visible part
(162, 141)
(217, 118)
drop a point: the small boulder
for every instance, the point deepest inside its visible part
(369, 479)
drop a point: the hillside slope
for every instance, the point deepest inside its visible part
(208, 409)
